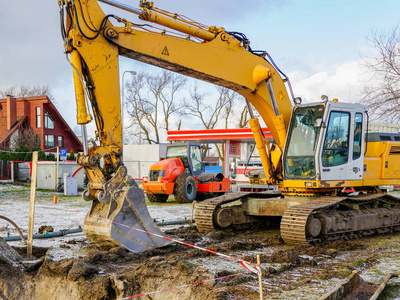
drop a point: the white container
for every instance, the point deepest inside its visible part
(70, 186)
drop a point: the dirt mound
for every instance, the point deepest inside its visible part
(117, 273)
(8, 256)
(111, 274)
(304, 255)
(45, 228)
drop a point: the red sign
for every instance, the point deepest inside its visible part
(234, 148)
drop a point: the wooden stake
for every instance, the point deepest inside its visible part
(382, 286)
(32, 203)
(57, 168)
(259, 277)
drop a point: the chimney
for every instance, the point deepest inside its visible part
(11, 111)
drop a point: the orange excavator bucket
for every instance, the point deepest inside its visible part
(123, 220)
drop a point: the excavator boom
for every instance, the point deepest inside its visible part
(324, 152)
(207, 53)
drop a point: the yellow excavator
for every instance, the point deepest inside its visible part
(330, 171)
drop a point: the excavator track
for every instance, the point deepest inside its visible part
(204, 215)
(295, 223)
(294, 220)
(324, 218)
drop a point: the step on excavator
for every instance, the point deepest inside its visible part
(183, 175)
(331, 172)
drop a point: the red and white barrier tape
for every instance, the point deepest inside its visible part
(181, 286)
(66, 207)
(2, 201)
(245, 264)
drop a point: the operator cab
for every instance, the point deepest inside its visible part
(190, 154)
(325, 141)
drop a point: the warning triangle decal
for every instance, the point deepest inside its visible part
(165, 51)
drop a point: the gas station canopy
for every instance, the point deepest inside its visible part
(231, 138)
(215, 135)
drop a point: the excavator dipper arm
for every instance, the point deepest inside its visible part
(118, 214)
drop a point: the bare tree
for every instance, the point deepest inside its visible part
(242, 115)
(210, 113)
(26, 137)
(26, 91)
(382, 96)
(243, 118)
(151, 102)
(213, 113)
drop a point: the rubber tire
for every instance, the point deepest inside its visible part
(185, 189)
(157, 197)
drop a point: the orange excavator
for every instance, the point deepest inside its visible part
(322, 151)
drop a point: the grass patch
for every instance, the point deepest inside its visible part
(171, 201)
(345, 272)
(392, 291)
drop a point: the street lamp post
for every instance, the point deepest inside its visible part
(122, 104)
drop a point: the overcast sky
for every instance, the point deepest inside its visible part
(316, 43)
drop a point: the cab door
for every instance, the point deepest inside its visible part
(357, 151)
(342, 148)
(195, 160)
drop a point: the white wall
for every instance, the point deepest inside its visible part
(139, 158)
(46, 174)
(381, 127)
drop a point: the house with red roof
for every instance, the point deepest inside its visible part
(50, 128)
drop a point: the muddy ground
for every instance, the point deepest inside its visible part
(71, 267)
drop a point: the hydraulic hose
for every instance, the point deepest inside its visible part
(44, 235)
(75, 230)
(20, 237)
(176, 222)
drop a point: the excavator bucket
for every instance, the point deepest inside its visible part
(123, 221)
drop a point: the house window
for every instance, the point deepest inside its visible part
(38, 117)
(60, 141)
(49, 140)
(38, 140)
(48, 121)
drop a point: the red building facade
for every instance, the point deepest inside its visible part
(50, 128)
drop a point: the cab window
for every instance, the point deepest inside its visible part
(196, 158)
(336, 146)
(357, 136)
